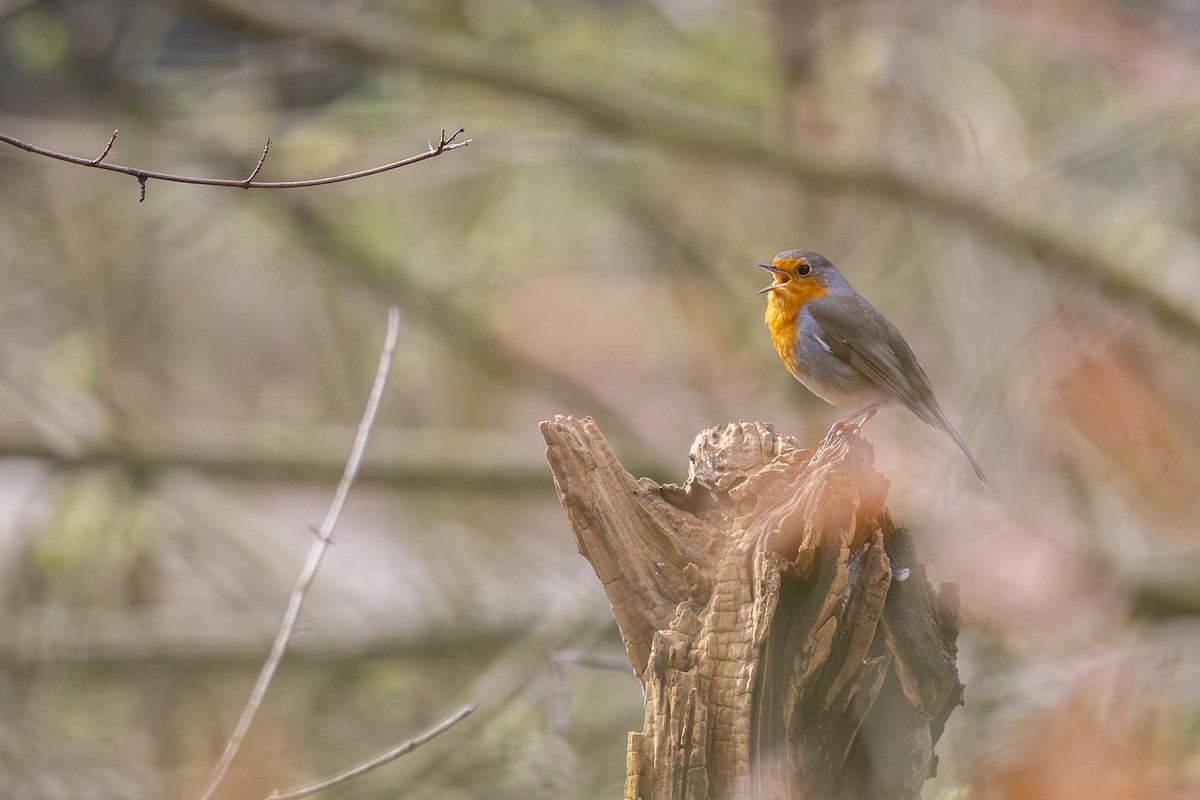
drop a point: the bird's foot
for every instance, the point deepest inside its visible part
(841, 426)
(851, 424)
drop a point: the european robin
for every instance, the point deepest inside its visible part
(839, 346)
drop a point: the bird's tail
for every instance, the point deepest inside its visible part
(935, 418)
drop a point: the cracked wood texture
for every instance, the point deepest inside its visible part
(779, 656)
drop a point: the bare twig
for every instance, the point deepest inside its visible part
(315, 554)
(387, 756)
(105, 151)
(262, 160)
(444, 144)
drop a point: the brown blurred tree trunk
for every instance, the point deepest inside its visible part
(779, 656)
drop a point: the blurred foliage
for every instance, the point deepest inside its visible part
(1014, 184)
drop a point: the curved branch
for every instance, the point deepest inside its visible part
(315, 554)
(107, 148)
(386, 757)
(444, 144)
(731, 137)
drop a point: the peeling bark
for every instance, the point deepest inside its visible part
(779, 657)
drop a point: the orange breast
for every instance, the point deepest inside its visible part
(782, 317)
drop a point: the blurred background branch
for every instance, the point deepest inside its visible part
(711, 131)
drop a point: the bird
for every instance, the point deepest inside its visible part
(843, 349)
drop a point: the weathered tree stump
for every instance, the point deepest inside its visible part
(779, 656)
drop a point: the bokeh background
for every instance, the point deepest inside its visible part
(1015, 184)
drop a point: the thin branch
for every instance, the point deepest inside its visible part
(107, 147)
(580, 658)
(263, 159)
(315, 554)
(387, 756)
(444, 144)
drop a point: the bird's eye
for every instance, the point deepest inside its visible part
(803, 268)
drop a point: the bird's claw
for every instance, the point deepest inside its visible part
(841, 426)
(853, 423)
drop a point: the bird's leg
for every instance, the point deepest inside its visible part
(867, 415)
(849, 423)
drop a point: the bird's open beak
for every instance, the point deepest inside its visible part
(777, 271)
